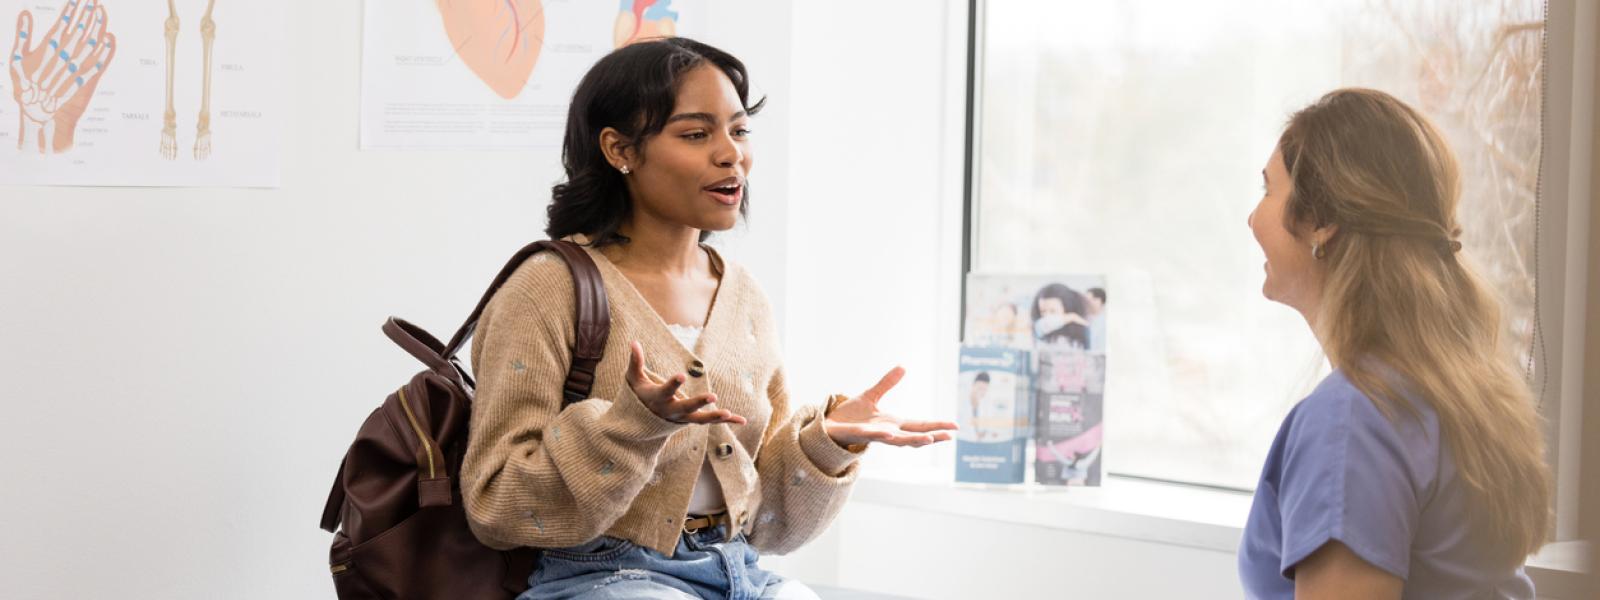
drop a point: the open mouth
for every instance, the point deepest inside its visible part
(727, 192)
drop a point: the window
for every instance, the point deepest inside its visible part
(1126, 139)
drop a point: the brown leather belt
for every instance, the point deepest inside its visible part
(695, 524)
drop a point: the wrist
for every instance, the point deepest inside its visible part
(834, 401)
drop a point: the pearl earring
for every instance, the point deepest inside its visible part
(626, 170)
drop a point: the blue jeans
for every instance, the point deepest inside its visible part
(703, 566)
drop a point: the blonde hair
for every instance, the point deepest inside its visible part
(1404, 314)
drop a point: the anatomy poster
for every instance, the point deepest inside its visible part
(492, 74)
(141, 93)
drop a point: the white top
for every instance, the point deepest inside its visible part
(688, 335)
(707, 497)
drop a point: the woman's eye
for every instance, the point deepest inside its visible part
(741, 132)
(694, 135)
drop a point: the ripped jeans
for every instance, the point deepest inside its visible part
(703, 566)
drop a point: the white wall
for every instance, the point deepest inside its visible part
(959, 558)
(184, 368)
(874, 222)
(874, 226)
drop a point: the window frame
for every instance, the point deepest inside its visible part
(1562, 257)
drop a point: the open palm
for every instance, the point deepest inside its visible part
(662, 396)
(859, 420)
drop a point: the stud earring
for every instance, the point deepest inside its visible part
(626, 170)
(1317, 251)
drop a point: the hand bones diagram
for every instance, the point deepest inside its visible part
(54, 73)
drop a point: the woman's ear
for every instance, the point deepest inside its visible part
(616, 148)
(1324, 234)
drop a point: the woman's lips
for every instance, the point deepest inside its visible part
(727, 196)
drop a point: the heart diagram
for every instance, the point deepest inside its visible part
(644, 19)
(499, 40)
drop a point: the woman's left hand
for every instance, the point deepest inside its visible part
(858, 420)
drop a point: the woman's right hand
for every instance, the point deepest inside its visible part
(662, 397)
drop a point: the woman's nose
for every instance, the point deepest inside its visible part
(728, 153)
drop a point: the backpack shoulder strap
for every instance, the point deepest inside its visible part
(592, 318)
(330, 511)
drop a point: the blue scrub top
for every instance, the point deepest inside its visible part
(1387, 489)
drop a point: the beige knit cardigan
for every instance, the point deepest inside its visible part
(537, 477)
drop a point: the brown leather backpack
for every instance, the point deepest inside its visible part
(405, 530)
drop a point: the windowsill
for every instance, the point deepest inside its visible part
(1141, 510)
(1175, 514)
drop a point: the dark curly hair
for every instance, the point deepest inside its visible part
(632, 90)
(1073, 302)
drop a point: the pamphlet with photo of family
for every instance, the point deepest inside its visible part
(1060, 321)
(992, 442)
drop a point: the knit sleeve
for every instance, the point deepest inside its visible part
(805, 476)
(536, 475)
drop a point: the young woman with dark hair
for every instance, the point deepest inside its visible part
(689, 458)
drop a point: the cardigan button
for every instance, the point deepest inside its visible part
(697, 368)
(724, 450)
